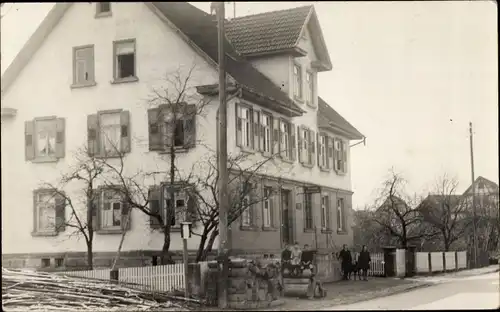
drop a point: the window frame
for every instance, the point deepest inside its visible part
(178, 217)
(298, 82)
(116, 44)
(267, 132)
(325, 212)
(99, 13)
(341, 215)
(102, 227)
(310, 81)
(286, 139)
(119, 148)
(308, 212)
(246, 213)
(45, 158)
(323, 146)
(250, 122)
(269, 197)
(36, 212)
(89, 83)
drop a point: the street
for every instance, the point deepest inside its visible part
(449, 292)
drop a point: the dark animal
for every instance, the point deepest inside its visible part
(354, 270)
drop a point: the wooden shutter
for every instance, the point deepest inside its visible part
(239, 124)
(300, 145)
(60, 139)
(276, 137)
(96, 207)
(262, 132)
(319, 153)
(293, 142)
(330, 153)
(344, 156)
(125, 132)
(191, 207)
(312, 145)
(126, 210)
(93, 134)
(155, 130)
(154, 196)
(255, 130)
(60, 212)
(336, 154)
(282, 140)
(29, 140)
(190, 132)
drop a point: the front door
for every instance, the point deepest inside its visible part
(286, 218)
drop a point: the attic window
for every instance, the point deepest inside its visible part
(103, 9)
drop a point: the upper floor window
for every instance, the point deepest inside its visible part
(103, 9)
(244, 135)
(285, 147)
(267, 124)
(83, 66)
(108, 133)
(44, 139)
(167, 129)
(297, 81)
(124, 60)
(325, 152)
(310, 88)
(307, 149)
(340, 156)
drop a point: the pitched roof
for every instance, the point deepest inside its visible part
(201, 29)
(488, 184)
(328, 116)
(269, 31)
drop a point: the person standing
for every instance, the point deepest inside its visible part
(364, 261)
(346, 261)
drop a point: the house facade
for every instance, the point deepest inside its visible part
(84, 79)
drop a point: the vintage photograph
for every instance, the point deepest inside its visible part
(207, 156)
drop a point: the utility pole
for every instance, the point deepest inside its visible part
(474, 237)
(223, 252)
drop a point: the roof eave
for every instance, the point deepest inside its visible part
(324, 56)
(346, 133)
(293, 51)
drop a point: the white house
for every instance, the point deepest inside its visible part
(89, 69)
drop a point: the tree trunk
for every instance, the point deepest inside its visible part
(90, 256)
(201, 247)
(210, 244)
(170, 210)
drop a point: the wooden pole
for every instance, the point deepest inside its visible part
(474, 238)
(223, 252)
(186, 267)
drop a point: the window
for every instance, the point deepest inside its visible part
(59, 262)
(307, 149)
(177, 211)
(44, 139)
(305, 146)
(83, 66)
(310, 88)
(178, 131)
(244, 127)
(297, 78)
(45, 263)
(103, 9)
(110, 133)
(285, 139)
(323, 151)
(111, 210)
(324, 212)
(268, 213)
(308, 212)
(267, 123)
(45, 212)
(246, 215)
(340, 156)
(124, 60)
(340, 215)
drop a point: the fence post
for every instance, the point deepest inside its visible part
(429, 259)
(444, 261)
(456, 261)
(114, 276)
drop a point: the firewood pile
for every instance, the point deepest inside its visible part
(37, 291)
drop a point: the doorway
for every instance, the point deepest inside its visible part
(286, 218)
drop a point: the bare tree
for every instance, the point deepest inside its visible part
(245, 192)
(397, 212)
(84, 177)
(445, 211)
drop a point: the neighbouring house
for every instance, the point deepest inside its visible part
(88, 69)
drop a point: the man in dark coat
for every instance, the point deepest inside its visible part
(346, 261)
(364, 262)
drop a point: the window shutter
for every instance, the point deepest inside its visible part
(125, 132)
(256, 132)
(191, 207)
(320, 152)
(35, 211)
(262, 134)
(293, 143)
(29, 137)
(300, 144)
(93, 134)
(282, 140)
(60, 138)
(330, 153)
(125, 212)
(96, 207)
(336, 154)
(276, 137)
(344, 156)
(190, 132)
(155, 130)
(60, 212)
(239, 125)
(154, 197)
(312, 145)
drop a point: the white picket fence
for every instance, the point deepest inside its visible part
(155, 278)
(376, 265)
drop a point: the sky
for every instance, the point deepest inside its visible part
(409, 75)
